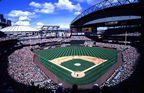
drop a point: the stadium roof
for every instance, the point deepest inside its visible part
(18, 28)
(109, 19)
(102, 5)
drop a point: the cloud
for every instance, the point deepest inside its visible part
(35, 4)
(12, 19)
(77, 13)
(40, 24)
(80, 1)
(67, 5)
(47, 8)
(22, 23)
(17, 13)
(20, 17)
(43, 8)
(78, 7)
(24, 18)
(92, 2)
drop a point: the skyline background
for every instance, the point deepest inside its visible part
(36, 13)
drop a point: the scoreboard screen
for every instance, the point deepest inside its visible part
(74, 30)
(87, 29)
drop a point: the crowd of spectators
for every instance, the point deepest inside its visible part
(128, 34)
(7, 38)
(116, 46)
(39, 41)
(58, 39)
(79, 38)
(22, 69)
(129, 58)
(89, 43)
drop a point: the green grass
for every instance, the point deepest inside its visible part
(91, 75)
(84, 64)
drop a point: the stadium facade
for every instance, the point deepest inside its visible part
(27, 32)
(20, 31)
(110, 21)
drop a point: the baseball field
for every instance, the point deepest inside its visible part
(78, 65)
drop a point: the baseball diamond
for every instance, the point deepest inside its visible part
(71, 46)
(92, 63)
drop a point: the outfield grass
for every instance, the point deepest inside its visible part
(91, 75)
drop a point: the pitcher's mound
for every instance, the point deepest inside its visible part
(77, 64)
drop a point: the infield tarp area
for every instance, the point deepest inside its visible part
(91, 75)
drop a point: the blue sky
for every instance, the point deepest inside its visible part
(38, 12)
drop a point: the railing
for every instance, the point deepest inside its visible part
(102, 5)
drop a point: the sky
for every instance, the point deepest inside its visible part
(36, 13)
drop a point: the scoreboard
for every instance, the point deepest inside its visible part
(87, 29)
(81, 31)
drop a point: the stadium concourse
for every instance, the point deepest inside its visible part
(17, 68)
